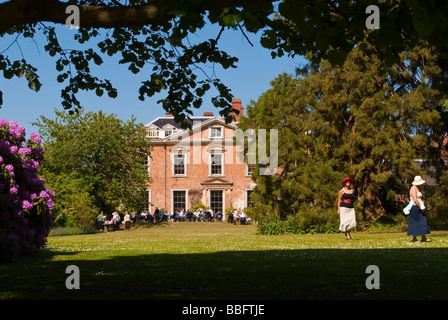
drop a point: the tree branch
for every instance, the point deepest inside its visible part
(21, 12)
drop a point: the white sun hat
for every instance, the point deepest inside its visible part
(418, 181)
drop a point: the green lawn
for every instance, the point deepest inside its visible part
(225, 261)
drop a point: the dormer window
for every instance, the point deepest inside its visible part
(169, 129)
(153, 132)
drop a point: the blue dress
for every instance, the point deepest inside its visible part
(417, 224)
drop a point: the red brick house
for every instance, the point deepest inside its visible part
(198, 165)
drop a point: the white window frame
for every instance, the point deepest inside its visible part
(172, 199)
(210, 165)
(223, 200)
(154, 133)
(173, 174)
(249, 174)
(216, 127)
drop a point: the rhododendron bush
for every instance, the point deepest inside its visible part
(25, 203)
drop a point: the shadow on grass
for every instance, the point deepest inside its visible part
(414, 273)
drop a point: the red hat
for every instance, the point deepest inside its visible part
(347, 179)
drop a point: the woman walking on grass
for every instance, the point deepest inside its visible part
(418, 224)
(346, 210)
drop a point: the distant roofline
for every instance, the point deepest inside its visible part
(192, 117)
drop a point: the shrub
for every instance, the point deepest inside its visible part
(200, 205)
(25, 204)
(71, 231)
(303, 222)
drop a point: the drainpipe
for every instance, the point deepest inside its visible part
(164, 154)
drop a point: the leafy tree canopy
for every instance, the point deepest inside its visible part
(156, 34)
(94, 160)
(350, 121)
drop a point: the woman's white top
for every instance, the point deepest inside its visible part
(419, 198)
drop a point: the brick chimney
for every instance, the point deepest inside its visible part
(236, 104)
(168, 114)
(208, 114)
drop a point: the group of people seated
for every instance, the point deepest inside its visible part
(181, 215)
(104, 222)
(238, 217)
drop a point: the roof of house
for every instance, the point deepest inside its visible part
(160, 122)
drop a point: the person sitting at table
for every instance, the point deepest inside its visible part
(133, 216)
(242, 218)
(181, 215)
(100, 221)
(238, 217)
(230, 217)
(148, 216)
(158, 217)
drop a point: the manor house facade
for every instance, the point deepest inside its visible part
(197, 165)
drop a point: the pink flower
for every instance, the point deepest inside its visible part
(14, 132)
(27, 205)
(43, 194)
(35, 164)
(13, 191)
(25, 151)
(3, 123)
(50, 204)
(13, 124)
(9, 168)
(21, 129)
(35, 137)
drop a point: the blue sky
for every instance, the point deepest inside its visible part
(255, 70)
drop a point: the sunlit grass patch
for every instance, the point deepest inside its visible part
(226, 261)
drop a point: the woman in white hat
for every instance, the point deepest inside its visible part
(418, 224)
